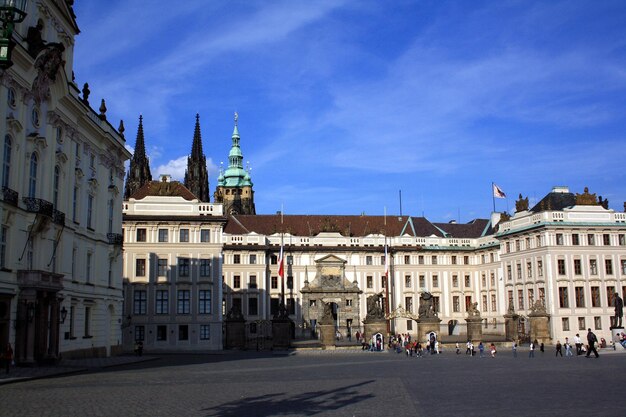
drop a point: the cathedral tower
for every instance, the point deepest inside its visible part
(196, 176)
(139, 170)
(234, 186)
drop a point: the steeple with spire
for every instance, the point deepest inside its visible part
(234, 186)
(139, 170)
(196, 176)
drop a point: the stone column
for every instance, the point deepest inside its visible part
(474, 329)
(327, 335)
(540, 328)
(281, 333)
(373, 326)
(427, 325)
(235, 333)
(511, 324)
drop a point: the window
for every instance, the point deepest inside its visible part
(161, 333)
(139, 302)
(529, 269)
(162, 302)
(507, 247)
(591, 240)
(88, 267)
(606, 239)
(623, 266)
(205, 332)
(34, 115)
(205, 268)
(383, 281)
(312, 303)
(205, 235)
(531, 297)
(161, 267)
(580, 296)
(517, 245)
(518, 270)
(434, 259)
(561, 266)
(204, 302)
(563, 298)
(3, 246)
(492, 279)
(610, 293)
(141, 235)
(252, 259)
(274, 260)
(453, 260)
(110, 206)
(409, 324)
(468, 302)
(468, 282)
(595, 297)
(11, 97)
(370, 282)
(510, 296)
(420, 259)
(140, 333)
(32, 176)
(184, 302)
(291, 306)
(575, 239)
(252, 284)
(236, 281)
(368, 260)
(183, 267)
(75, 205)
(435, 281)
(408, 303)
(436, 304)
(455, 281)
(520, 299)
(407, 281)
(274, 282)
(237, 259)
(565, 324)
(597, 322)
(509, 273)
(485, 306)
(466, 260)
(540, 268)
(456, 304)
(422, 281)
(89, 211)
(493, 303)
(608, 266)
(484, 280)
(559, 238)
(163, 235)
(183, 332)
(140, 267)
(581, 323)
(407, 259)
(593, 267)
(184, 235)
(577, 267)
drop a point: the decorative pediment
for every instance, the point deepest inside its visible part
(38, 141)
(61, 157)
(93, 184)
(79, 173)
(14, 125)
(113, 189)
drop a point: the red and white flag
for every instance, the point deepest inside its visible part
(497, 191)
(281, 263)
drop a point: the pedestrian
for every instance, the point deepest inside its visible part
(591, 339)
(493, 350)
(558, 348)
(531, 351)
(541, 348)
(358, 336)
(468, 350)
(579, 344)
(481, 349)
(458, 349)
(8, 357)
(472, 349)
(514, 350)
(568, 348)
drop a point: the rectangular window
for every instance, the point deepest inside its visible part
(205, 332)
(89, 211)
(466, 260)
(236, 259)
(349, 302)
(509, 273)
(422, 281)
(408, 302)
(140, 333)
(252, 284)
(184, 302)
(163, 235)
(591, 240)
(436, 304)
(578, 270)
(273, 260)
(561, 266)
(492, 279)
(456, 304)
(236, 281)
(563, 298)
(581, 323)
(370, 282)
(565, 324)
(161, 302)
(435, 281)
(593, 267)
(88, 267)
(409, 325)
(453, 260)
(75, 205)
(455, 281)
(580, 296)
(621, 239)
(529, 269)
(520, 299)
(205, 235)
(204, 302)
(623, 266)
(468, 282)
(161, 267)
(597, 322)
(368, 260)
(141, 235)
(161, 334)
(420, 259)
(540, 268)
(494, 304)
(485, 305)
(407, 281)
(518, 269)
(608, 266)
(559, 238)
(595, 296)
(184, 235)
(383, 281)
(407, 260)
(610, 294)
(274, 282)
(606, 239)
(510, 296)
(434, 259)
(87, 321)
(183, 332)
(531, 297)
(183, 267)
(252, 259)
(139, 302)
(205, 268)
(140, 267)
(575, 239)
(517, 246)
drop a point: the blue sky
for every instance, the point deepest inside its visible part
(344, 103)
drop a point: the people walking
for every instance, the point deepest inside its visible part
(558, 348)
(531, 351)
(458, 349)
(591, 340)
(514, 350)
(468, 351)
(481, 349)
(493, 350)
(568, 348)
(579, 344)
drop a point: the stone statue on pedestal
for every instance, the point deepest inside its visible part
(426, 309)
(619, 310)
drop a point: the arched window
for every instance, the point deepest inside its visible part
(55, 191)
(6, 161)
(32, 177)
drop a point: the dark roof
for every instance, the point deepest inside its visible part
(312, 225)
(163, 189)
(555, 201)
(473, 229)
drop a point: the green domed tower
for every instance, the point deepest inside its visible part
(234, 186)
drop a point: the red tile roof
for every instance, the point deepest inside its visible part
(162, 189)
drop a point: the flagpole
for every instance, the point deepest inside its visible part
(493, 198)
(387, 287)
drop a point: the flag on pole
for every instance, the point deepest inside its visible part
(386, 261)
(281, 263)
(497, 191)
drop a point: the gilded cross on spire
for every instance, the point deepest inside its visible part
(236, 118)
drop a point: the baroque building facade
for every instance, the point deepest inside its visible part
(62, 179)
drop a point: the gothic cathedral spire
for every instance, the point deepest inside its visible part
(139, 171)
(196, 176)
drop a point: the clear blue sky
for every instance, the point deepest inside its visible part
(344, 103)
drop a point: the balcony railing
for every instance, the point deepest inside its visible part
(58, 217)
(9, 196)
(39, 206)
(115, 238)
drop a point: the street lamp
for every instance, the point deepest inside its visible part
(63, 314)
(11, 12)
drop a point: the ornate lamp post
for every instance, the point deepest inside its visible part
(11, 12)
